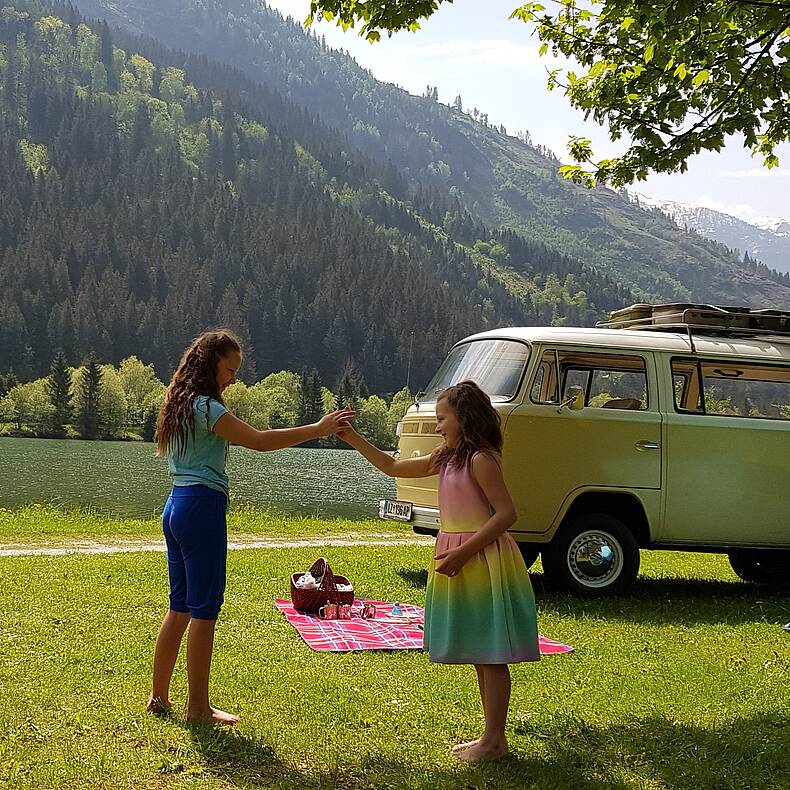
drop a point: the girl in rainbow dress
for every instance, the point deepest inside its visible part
(479, 604)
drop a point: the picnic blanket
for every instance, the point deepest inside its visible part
(381, 633)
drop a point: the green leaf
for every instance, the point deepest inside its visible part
(572, 172)
(580, 148)
(681, 71)
(703, 76)
(527, 12)
(627, 23)
(544, 48)
(650, 50)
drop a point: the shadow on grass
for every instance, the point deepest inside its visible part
(567, 754)
(745, 752)
(250, 763)
(668, 600)
(414, 577)
(675, 600)
(244, 761)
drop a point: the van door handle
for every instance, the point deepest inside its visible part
(645, 445)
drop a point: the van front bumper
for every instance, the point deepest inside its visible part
(424, 520)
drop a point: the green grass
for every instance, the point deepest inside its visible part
(40, 524)
(681, 684)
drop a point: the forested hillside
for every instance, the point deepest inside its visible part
(502, 180)
(145, 194)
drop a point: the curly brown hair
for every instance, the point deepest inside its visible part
(479, 423)
(195, 375)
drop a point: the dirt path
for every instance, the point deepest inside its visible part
(121, 546)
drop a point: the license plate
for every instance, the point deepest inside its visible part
(400, 511)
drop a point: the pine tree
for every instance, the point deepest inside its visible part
(107, 57)
(7, 382)
(149, 425)
(351, 387)
(227, 142)
(87, 406)
(59, 383)
(311, 405)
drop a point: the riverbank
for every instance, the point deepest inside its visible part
(39, 525)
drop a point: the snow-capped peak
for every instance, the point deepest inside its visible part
(765, 238)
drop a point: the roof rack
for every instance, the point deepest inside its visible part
(702, 318)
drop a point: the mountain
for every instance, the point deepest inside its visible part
(777, 225)
(146, 194)
(766, 239)
(501, 180)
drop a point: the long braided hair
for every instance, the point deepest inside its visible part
(196, 374)
(479, 423)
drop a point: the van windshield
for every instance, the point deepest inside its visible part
(496, 366)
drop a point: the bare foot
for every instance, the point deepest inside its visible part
(483, 751)
(159, 706)
(214, 716)
(459, 747)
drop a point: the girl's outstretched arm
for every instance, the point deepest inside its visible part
(238, 432)
(394, 467)
(488, 475)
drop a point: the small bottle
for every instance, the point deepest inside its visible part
(396, 610)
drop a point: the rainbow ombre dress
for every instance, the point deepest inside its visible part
(486, 613)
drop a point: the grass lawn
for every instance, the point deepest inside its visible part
(683, 684)
(49, 525)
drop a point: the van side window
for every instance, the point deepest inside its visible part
(538, 383)
(732, 388)
(608, 381)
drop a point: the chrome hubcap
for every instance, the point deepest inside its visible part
(595, 558)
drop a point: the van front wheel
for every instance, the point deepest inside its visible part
(770, 567)
(594, 555)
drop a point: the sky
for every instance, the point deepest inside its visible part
(470, 48)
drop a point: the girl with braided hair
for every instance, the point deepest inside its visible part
(194, 431)
(479, 605)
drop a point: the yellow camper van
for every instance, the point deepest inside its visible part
(667, 427)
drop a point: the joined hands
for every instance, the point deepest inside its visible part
(336, 422)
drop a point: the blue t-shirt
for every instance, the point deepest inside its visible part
(203, 459)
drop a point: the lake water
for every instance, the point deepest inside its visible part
(124, 478)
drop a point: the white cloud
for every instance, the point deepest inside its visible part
(452, 58)
(298, 9)
(487, 54)
(741, 210)
(755, 172)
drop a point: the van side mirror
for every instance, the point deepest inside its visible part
(574, 399)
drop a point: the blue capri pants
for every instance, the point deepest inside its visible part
(196, 535)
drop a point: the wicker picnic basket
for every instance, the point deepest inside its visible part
(312, 599)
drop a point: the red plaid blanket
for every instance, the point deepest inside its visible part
(381, 633)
